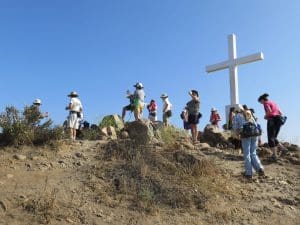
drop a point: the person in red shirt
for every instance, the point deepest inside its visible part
(273, 116)
(215, 117)
(152, 108)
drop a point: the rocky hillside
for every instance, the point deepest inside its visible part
(166, 181)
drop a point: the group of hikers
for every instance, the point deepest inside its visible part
(241, 121)
(190, 115)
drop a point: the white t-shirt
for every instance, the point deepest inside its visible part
(76, 105)
(167, 105)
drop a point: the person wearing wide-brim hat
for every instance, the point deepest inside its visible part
(73, 94)
(215, 117)
(167, 109)
(194, 115)
(75, 113)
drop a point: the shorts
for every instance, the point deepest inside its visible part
(73, 121)
(139, 108)
(129, 108)
(193, 119)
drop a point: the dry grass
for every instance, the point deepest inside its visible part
(151, 180)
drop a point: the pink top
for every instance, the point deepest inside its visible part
(271, 109)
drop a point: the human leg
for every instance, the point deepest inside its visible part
(246, 142)
(272, 137)
(255, 161)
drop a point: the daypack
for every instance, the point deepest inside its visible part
(251, 129)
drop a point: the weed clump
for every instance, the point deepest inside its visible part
(27, 128)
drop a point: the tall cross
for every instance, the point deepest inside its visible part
(232, 63)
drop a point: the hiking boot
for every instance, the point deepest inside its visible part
(261, 173)
(248, 177)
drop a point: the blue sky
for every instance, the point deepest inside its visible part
(100, 48)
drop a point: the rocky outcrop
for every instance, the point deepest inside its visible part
(112, 121)
(215, 137)
(142, 132)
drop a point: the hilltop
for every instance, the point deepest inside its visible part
(121, 182)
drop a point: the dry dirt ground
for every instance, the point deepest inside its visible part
(80, 184)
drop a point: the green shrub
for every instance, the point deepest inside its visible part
(26, 128)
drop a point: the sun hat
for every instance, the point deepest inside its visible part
(37, 101)
(164, 95)
(73, 94)
(138, 85)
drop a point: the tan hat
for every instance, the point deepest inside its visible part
(164, 96)
(73, 94)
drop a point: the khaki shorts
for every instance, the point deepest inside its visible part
(139, 108)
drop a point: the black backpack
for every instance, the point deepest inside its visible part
(250, 129)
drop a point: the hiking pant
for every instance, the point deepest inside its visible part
(251, 159)
(273, 129)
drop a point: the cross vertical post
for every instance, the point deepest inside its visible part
(232, 55)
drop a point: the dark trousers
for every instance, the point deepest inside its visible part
(273, 129)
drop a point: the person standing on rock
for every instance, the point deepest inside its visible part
(167, 109)
(75, 112)
(241, 125)
(215, 117)
(193, 111)
(139, 101)
(274, 117)
(152, 108)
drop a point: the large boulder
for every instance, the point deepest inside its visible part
(215, 137)
(113, 121)
(142, 132)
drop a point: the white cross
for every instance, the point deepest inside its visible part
(232, 63)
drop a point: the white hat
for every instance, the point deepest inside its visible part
(164, 95)
(73, 94)
(214, 110)
(138, 85)
(37, 102)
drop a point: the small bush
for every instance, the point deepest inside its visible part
(26, 128)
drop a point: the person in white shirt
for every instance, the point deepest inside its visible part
(139, 101)
(167, 109)
(75, 112)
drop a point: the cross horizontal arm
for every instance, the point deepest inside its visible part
(218, 66)
(249, 59)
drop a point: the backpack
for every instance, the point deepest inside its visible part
(251, 129)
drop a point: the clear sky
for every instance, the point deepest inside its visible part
(100, 48)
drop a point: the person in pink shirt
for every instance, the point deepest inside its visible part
(273, 116)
